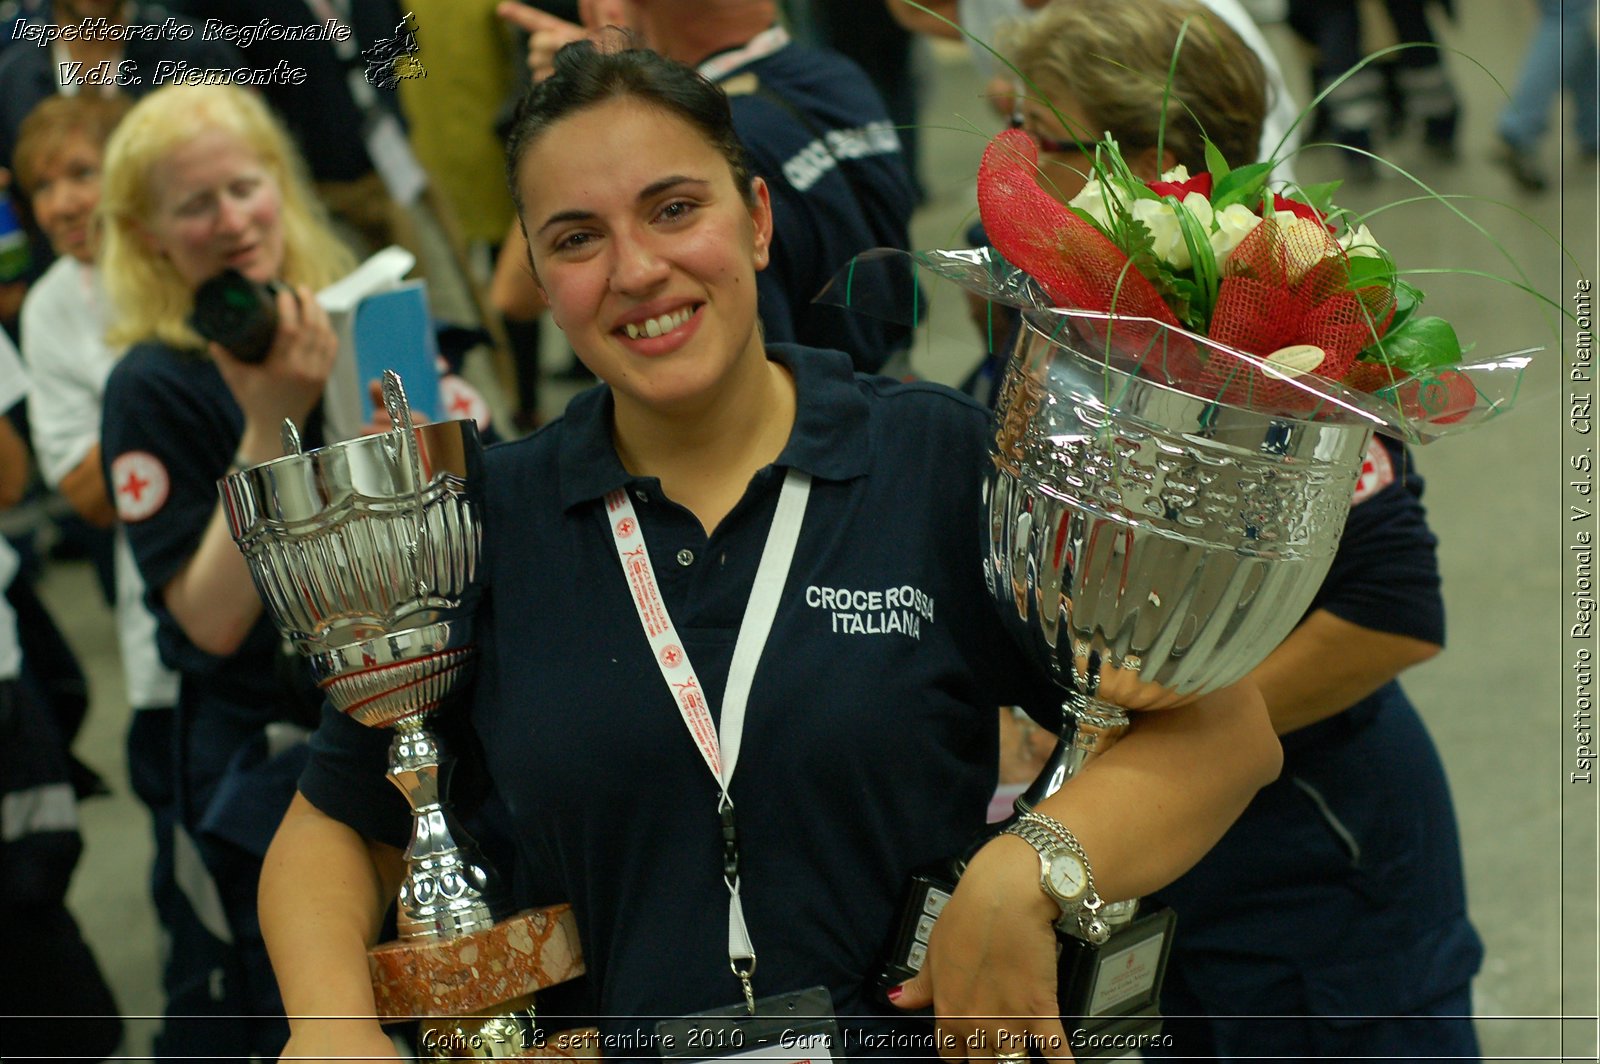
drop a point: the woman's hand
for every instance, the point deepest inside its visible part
(548, 34)
(380, 421)
(991, 968)
(318, 1039)
(289, 381)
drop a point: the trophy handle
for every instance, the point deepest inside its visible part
(394, 401)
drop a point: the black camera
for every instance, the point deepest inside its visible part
(237, 313)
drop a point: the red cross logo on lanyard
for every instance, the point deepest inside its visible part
(1377, 472)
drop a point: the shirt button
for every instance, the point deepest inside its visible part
(642, 495)
(686, 557)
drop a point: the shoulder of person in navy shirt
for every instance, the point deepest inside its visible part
(869, 740)
(1339, 892)
(197, 179)
(817, 132)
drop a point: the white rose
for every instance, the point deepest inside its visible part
(1200, 207)
(1360, 242)
(1092, 201)
(1179, 174)
(1167, 236)
(1305, 241)
(1233, 223)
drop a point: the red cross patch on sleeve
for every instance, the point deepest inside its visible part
(462, 400)
(139, 485)
(1377, 472)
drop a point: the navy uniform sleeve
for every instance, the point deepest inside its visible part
(344, 778)
(780, 283)
(1385, 575)
(179, 443)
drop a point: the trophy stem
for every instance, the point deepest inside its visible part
(1088, 726)
(446, 892)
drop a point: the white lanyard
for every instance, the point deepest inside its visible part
(721, 752)
(760, 46)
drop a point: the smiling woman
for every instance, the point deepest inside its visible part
(864, 742)
(652, 278)
(197, 180)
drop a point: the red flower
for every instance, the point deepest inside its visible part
(1200, 183)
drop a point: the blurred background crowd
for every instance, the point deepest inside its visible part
(400, 127)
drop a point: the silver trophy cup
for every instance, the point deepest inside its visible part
(1149, 545)
(365, 553)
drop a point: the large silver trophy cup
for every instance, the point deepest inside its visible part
(1150, 545)
(365, 553)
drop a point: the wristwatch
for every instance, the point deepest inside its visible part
(1064, 874)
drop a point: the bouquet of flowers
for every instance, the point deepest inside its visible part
(1249, 296)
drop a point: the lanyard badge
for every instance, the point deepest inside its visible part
(793, 1028)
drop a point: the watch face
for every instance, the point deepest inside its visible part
(1065, 877)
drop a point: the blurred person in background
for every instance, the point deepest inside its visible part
(1413, 82)
(64, 322)
(345, 121)
(1560, 55)
(986, 22)
(58, 1004)
(91, 62)
(869, 36)
(1330, 921)
(198, 179)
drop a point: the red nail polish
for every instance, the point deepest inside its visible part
(895, 992)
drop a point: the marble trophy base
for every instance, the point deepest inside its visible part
(479, 972)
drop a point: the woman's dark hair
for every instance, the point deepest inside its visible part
(586, 75)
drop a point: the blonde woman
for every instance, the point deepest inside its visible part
(198, 179)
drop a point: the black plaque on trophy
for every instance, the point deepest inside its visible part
(1109, 995)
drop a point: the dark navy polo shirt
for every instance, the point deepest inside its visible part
(1339, 891)
(1385, 575)
(870, 742)
(816, 130)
